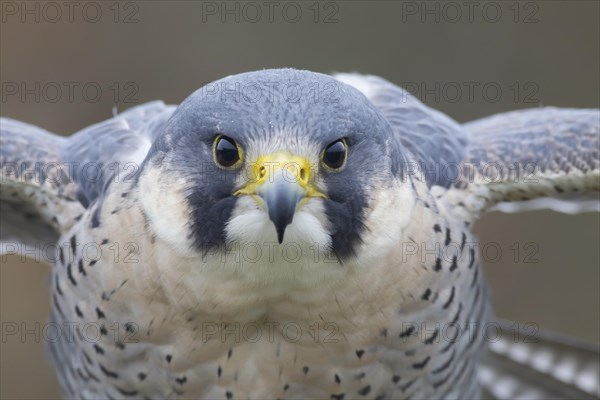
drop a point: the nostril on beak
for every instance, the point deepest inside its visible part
(303, 175)
(262, 172)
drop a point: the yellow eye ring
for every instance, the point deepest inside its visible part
(227, 153)
(333, 157)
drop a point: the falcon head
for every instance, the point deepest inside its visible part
(270, 158)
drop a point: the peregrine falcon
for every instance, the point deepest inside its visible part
(289, 234)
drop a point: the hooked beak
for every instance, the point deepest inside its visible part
(281, 181)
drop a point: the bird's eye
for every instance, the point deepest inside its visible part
(227, 152)
(334, 155)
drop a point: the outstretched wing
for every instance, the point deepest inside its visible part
(550, 155)
(36, 198)
(47, 181)
(535, 154)
(523, 363)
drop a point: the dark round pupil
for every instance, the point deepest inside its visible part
(335, 154)
(226, 152)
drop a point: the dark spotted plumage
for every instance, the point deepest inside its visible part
(162, 300)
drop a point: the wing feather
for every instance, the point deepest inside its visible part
(536, 158)
(47, 181)
(524, 363)
(540, 158)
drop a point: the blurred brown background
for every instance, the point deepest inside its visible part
(537, 53)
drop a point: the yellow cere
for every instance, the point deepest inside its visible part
(298, 170)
